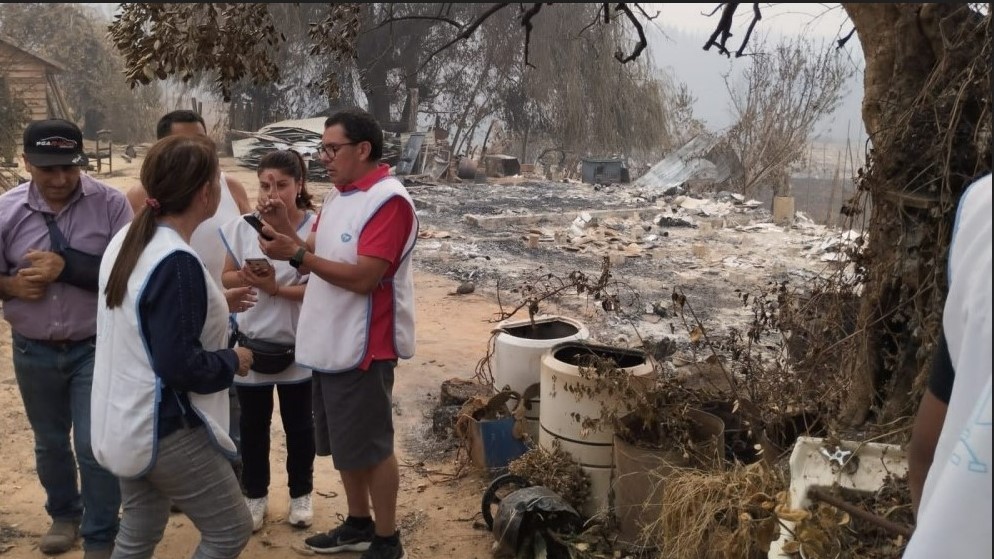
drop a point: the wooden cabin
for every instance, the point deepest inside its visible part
(31, 78)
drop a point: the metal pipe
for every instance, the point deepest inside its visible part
(852, 509)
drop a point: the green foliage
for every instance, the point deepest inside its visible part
(181, 40)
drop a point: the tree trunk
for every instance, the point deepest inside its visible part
(926, 111)
(410, 115)
(524, 144)
(375, 87)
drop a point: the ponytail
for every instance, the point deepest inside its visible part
(304, 199)
(139, 234)
(175, 169)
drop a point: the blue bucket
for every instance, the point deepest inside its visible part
(499, 444)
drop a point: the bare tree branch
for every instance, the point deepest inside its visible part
(640, 46)
(597, 17)
(756, 16)
(467, 31)
(844, 40)
(724, 29)
(646, 15)
(715, 10)
(781, 97)
(526, 21)
(440, 18)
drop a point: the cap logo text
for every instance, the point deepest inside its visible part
(57, 142)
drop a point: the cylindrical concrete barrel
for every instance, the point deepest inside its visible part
(518, 350)
(568, 399)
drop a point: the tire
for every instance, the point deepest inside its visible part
(496, 492)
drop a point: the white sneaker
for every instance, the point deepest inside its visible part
(301, 512)
(257, 508)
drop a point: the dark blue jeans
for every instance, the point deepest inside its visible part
(55, 386)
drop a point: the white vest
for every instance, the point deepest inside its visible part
(126, 391)
(333, 332)
(206, 239)
(955, 514)
(273, 319)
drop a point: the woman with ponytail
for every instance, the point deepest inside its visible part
(270, 327)
(160, 387)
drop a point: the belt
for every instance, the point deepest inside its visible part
(58, 343)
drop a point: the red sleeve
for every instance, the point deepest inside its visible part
(386, 232)
(316, 221)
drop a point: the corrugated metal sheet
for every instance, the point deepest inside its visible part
(699, 159)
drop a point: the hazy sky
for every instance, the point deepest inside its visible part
(812, 19)
(677, 37)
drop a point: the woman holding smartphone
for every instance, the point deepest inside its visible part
(269, 330)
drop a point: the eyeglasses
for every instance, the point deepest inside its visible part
(331, 150)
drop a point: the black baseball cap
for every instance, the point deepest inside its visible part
(54, 142)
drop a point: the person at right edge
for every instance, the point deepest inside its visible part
(357, 320)
(949, 458)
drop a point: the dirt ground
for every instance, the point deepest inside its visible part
(439, 513)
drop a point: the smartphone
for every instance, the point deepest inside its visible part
(256, 224)
(259, 266)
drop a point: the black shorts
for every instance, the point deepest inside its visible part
(353, 416)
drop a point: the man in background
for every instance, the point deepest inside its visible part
(206, 240)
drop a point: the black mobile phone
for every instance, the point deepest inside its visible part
(256, 224)
(260, 264)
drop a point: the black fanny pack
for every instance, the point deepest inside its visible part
(268, 358)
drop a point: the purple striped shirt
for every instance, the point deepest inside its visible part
(94, 214)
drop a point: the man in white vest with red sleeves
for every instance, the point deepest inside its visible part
(357, 320)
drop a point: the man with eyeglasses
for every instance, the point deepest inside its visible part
(357, 320)
(53, 231)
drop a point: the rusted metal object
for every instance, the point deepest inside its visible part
(837, 502)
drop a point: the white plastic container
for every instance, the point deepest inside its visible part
(518, 350)
(563, 411)
(857, 466)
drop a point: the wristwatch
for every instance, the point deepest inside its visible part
(298, 257)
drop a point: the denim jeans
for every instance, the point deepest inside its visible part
(55, 386)
(192, 473)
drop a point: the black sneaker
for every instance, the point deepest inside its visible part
(345, 537)
(382, 548)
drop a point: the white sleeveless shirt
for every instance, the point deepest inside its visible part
(126, 391)
(333, 331)
(206, 239)
(273, 319)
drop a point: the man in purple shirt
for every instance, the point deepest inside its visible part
(53, 230)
